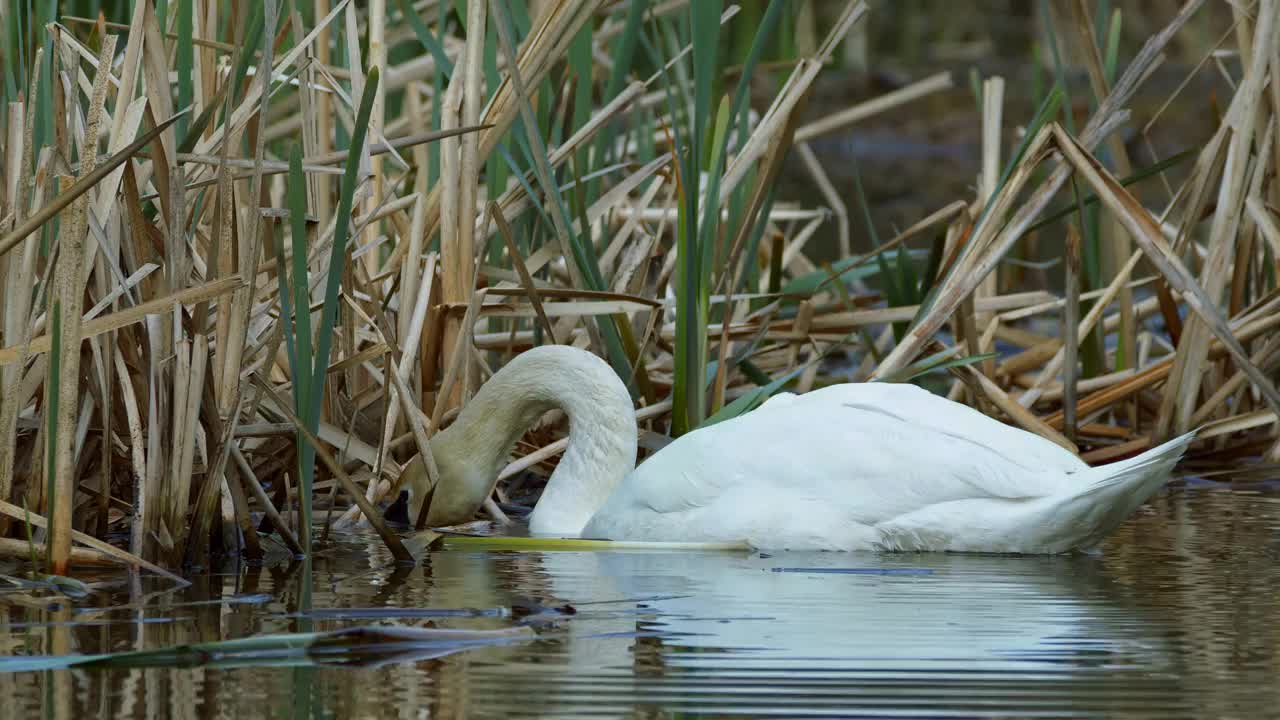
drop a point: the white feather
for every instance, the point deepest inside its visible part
(870, 466)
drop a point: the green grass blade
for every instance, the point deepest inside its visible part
(864, 207)
(624, 52)
(698, 284)
(697, 227)
(497, 169)
(704, 23)
(686, 374)
(933, 363)
(908, 279)
(1111, 59)
(581, 67)
(426, 38)
(252, 41)
(852, 268)
(751, 400)
(186, 62)
(547, 544)
(287, 324)
(329, 310)
(341, 233)
(301, 282)
(936, 253)
(43, 131)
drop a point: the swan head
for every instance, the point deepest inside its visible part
(471, 452)
(464, 481)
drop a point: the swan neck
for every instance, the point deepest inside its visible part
(602, 432)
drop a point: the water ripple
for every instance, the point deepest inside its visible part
(1175, 617)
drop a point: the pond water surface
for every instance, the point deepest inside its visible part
(1177, 616)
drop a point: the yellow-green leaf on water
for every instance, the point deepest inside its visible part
(497, 542)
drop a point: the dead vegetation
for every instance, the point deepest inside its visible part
(236, 244)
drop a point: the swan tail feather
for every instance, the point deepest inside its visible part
(1122, 486)
(1155, 463)
(1077, 519)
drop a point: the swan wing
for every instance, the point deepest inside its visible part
(914, 406)
(875, 451)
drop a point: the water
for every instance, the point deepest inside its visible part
(1176, 616)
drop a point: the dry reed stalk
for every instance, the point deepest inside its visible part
(154, 246)
(376, 26)
(249, 225)
(17, 299)
(1147, 233)
(1070, 333)
(21, 550)
(1266, 224)
(1119, 451)
(548, 40)
(60, 201)
(224, 261)
(840, 120)
(526, 279)
(993, 245)
(1085, 326)
(963, 278)
(237, 522)
(456, 368)
(250, 103)
(515, 201)
(1121, 385)
(23, 515)
(1116, 392)
(69, 290)
(177, 486)
(1056, 392)
(1020, 415)
(1243, 119)
(457, 271)
(1262, 358)
(392, 541)
(129, 316)
(829, 194)
(264, 501)
(1239, 423)
(1117, 246)
(188, 425)
(992, 125)
(782, 329)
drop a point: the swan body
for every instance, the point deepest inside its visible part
(859, 466)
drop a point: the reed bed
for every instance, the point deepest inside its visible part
(253, 255)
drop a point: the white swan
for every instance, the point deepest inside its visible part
(861, 466)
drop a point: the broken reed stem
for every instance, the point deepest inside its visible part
(391, 539)
(264, 500)
(1071, 339)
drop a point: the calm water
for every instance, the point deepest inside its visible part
(1177, 616)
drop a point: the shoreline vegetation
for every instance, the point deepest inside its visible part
(252, 255)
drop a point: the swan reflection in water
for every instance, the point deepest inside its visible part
(644, 618)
